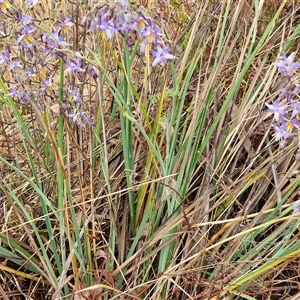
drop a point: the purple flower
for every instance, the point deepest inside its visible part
(107, 26)
(57, 40)
(30, 72)
(80, 118)
(27, 34)
(124, 22)
(15, 64)
(4, 58)
(22, 18)
(287, 65)
(74, 66)
(46, 83)
(290, 90)
(296, 207)
(26, 19)
(92, 70)
(277, 109)
(281, 132)
(77, 117)
(52, 41)
(161, 55)
(19, 97)
(75, 93)
(32, 2)
(92, 24)
(13, 93)
(296, 109)
(124, 4)
(151, 35)
(142, 22)
(291, 124)
(67, 23)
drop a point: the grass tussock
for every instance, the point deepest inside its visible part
(128, 174)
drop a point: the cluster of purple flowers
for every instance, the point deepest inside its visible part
(30, 64)
(134, 27)
(286, 109)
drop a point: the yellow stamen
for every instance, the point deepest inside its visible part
(4, 6)
(289, 127)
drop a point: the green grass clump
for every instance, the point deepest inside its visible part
(128, 173)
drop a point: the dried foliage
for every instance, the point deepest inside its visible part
(207, 212)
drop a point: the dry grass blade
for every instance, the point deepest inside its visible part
(128, 174)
